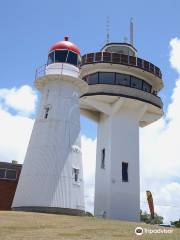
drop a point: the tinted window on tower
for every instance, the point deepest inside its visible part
(122, 79)
(106, 78)
(72, 58)
(60, 56)
(136, 83)
(51, 58)
(103, 158)
(92, 79)
(124, 171)
(146, 87)
(79, 60)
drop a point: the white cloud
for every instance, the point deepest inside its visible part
(160, 152)
(15, 129)
(89, 161)
(22, 100)
(175, 54)
(15, 133)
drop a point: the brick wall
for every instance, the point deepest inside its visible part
(8, 187)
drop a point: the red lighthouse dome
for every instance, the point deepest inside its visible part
(65, 45)
(64, 52)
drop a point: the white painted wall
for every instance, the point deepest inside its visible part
(118, 133)
(54, 150)
(118, 121)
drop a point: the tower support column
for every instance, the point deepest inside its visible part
(117, 191)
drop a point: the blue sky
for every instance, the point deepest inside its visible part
(29, 28)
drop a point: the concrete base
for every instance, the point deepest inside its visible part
(53, 210)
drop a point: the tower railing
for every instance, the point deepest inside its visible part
(40, 71)
(117, 58)
(48, 69)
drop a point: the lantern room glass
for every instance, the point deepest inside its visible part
(64, 56)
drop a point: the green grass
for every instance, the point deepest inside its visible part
(28, 226)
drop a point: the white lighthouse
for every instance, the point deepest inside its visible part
(52, 176)
(122, 97)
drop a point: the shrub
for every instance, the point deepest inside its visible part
(145, 217)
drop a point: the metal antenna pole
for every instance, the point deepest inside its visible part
(125, 39)
(107, 29)
(131, 32)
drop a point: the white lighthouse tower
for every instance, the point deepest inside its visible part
(122, 97)
(52, 177)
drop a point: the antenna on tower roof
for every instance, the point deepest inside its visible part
(107, 29)
(131, 32)
(125, 39)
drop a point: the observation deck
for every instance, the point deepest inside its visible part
(117, 58)
(112, 76)
(116, 74)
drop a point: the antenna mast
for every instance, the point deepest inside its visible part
(107, 29)
(131, 32)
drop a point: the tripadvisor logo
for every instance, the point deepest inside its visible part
(139, 231)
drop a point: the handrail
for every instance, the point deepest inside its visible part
(40, 71)
(117, 58)
(44, 69)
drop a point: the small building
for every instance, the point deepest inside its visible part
(9, 176)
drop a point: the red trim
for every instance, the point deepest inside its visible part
(65, 45)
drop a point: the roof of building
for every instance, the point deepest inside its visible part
(118, 43)
(65, 45)
(10, 165)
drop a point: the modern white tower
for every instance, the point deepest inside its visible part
(52, 177)
(122, 96)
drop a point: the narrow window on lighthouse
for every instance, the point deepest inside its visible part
(50, 58)
(103, 158)
(72, 58)
(76, 174)
(60, 55)
(46, 112)
(124, 171)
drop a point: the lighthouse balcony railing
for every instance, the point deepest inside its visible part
(117, 58)
(56, 68)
